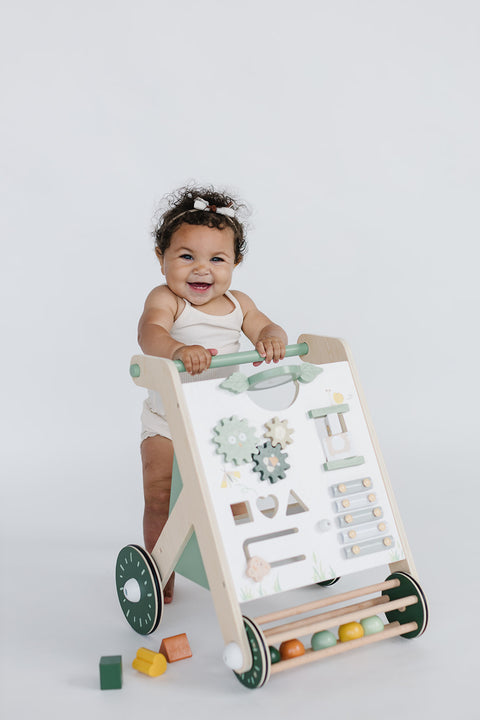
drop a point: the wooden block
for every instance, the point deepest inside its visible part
(149, 663)
(111, 672)
(176, 648)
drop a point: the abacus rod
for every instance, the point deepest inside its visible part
(318, 623)
(332, 600)
(298, 624)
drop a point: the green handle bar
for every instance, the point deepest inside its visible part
(249, 356)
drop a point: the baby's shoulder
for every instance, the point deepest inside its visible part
(161, 297)
(246, 303)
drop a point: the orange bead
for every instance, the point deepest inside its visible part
(291, 648)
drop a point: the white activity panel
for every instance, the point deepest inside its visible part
(297, 491)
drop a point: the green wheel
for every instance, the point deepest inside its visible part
(139, 589)
(327, 583)
(413, 613)
(259, 672)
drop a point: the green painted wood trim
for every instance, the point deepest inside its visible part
(249, 356)
(346, 463)
(135, 370)
(330, 410)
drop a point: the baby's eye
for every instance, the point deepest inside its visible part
(217, 259)
(186, 256)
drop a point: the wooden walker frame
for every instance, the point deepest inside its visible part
(140, 576)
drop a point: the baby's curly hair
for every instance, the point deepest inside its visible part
(180, 210)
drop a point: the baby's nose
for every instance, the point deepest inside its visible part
(201, 268)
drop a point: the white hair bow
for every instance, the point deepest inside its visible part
(201, 204)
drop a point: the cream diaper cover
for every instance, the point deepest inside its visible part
(153, 423)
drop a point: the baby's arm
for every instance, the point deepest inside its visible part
(154, 333)
(269, 339)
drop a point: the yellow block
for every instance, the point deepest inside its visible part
(150, 663)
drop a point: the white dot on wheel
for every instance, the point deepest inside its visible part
(132, 590)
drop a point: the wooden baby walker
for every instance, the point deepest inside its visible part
(278, 483)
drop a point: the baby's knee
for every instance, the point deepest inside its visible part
(157, 493)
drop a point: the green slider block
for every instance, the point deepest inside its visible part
(348, 462)
(111, 672)
(332, 409)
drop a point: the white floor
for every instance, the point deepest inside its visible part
(59, 615)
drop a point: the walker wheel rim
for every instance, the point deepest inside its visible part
(413, 613)
(259, 672)
(144, 615)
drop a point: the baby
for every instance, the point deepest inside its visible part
(199, 241)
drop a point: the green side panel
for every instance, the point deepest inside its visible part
(190, 564)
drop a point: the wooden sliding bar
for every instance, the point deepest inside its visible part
(332, 600)
(392, 630)
(317, 623)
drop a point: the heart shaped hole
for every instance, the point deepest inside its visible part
(268, 505)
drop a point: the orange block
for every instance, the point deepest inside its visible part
(176, 648)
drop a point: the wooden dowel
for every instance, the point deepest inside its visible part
(298, 624)
(318, 623)
(392, 630)
(332, 600)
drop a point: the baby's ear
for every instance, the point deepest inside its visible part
(159, 255)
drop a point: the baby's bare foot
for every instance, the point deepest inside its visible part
(168, 590)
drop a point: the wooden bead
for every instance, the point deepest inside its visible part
(291, 648)
(274, 654)
(372, 625)
(323, 639)
(350, 631)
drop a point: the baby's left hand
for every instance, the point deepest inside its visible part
(270, 348)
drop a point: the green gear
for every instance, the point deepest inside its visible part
(235, 439)
(270, 462)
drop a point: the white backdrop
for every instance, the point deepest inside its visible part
(351, 129)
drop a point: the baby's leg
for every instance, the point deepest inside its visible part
(157, 461)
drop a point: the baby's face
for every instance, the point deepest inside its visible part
(199, 263)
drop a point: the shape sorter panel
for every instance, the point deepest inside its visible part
(297, 492)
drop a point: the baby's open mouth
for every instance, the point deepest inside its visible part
(199, 286)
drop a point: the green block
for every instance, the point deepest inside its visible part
(111, 672)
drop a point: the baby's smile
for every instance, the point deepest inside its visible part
(199, 286)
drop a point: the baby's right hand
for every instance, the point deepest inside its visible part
(195, 358)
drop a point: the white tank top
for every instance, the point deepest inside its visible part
(194, 327)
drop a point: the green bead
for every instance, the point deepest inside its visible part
(323, 639)
(274, 654)
(135, 370)
(372, 625)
